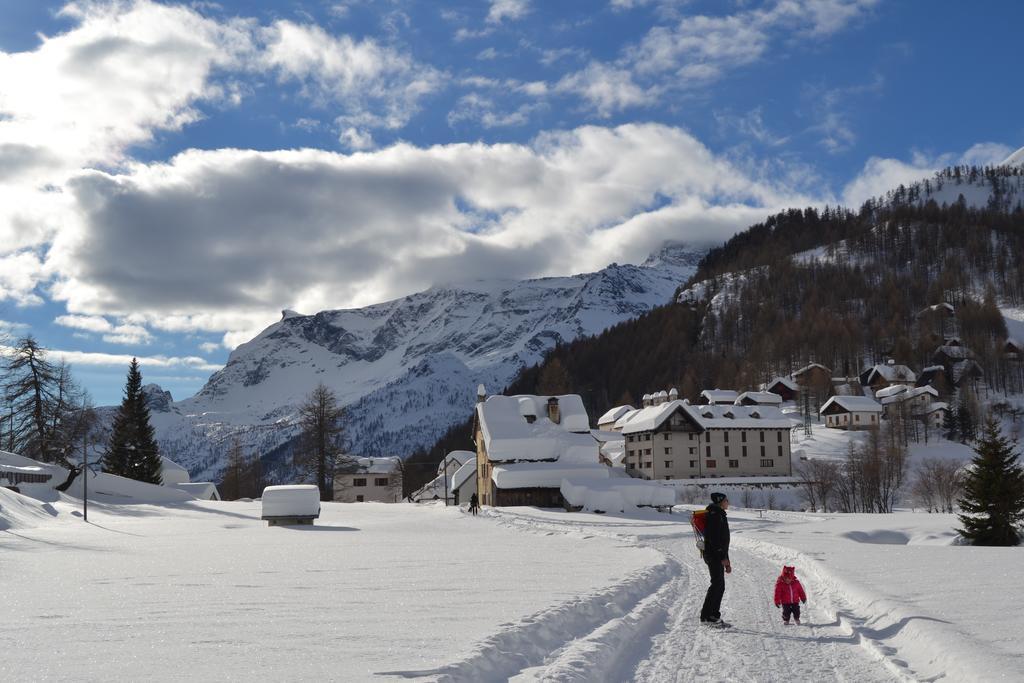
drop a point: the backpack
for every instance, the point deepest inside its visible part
(698, 522)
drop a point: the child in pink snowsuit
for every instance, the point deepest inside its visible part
(789, 594)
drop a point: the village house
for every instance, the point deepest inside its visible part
(436, 488)
(377, 480)
(936, 377)
(935, 414)
(676, 440)
(528, 445)
(886, 374)
(463, 483)
(758, 398)
(607, 421)
(914, 401)
(851, 412)
(784, 387)
(815, 378)
(714, 397)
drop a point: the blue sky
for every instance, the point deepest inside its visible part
(172, 175)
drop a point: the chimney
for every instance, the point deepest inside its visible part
(646, 400)
(554, 412)
(481, 393)
(673, 394)
(891, 361)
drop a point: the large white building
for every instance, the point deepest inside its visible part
(676, 440)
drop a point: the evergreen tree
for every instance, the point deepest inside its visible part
(993, 502)
(965, 417)
(951, 423)
(132, 451)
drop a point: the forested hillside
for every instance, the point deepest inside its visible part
(842, 288)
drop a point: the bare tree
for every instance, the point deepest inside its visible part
(938, 485)
(319, 450)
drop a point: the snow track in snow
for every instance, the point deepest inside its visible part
(657, 637)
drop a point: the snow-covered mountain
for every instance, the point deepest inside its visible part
(407, 369)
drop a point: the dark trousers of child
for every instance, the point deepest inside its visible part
(791, 609)
(712, 610)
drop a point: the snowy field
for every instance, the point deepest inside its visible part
(199, 591)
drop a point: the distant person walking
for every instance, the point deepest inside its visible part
(716, 555)
(474, 504)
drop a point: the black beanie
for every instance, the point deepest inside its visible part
(717, 498)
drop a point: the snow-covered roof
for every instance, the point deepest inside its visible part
(892, 372)
(719, 395)
(291, 500)
(203, 490)
(626, 418)
(614, 414)
(933, 368)
(510, 437)
(937, 307)
(614, 451)
(955, 351)
(811, 366)
(463, 474)
(890, 391)
(784, 381)
(454, 460)
(709, 417)
(761, 397)
(29, 465)
(937, 405)
(524, 475)
(377, 465)
(854, 404)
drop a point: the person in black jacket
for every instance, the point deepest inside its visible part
(716, 555)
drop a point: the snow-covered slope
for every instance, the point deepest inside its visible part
(407, 369)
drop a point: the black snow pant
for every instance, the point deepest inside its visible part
(791, 609)
(712, 610)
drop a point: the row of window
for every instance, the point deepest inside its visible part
(646, 436)
(378, 481)
(709, 464)
(693, 451)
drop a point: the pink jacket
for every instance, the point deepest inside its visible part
(789, 593)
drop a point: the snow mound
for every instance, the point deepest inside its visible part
(878, 536)
(110, 488)
(616, 495)
(22, 512)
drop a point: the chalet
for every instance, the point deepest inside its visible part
(718, 397)
(527, 445)
(758, 398)
(676, 440)
(1013, 349)
(935, 414)
(935, 376)
(784, 387)
(815, 378)
(913, 400)
(608, 420)
(949, 354)
(851, 412)
(883, 375)
(376, 480)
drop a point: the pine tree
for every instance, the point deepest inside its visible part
(993, 502)
(965, 417)
(132, 451)
(951, 423)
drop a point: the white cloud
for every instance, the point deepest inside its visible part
(210, 347)
(178, 244)
(986, 154)
(124, 333)
(376, 85)
(357, 140)
(511, 10)
(20, 274)
(695, 50)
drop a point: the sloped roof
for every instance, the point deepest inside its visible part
(710, 417)
(524, 475)
(786, 382)
(720, 395)
(811, 366)
(614, 414)
(892, 373)
(377, 465)
(509, 437)
(463, 474)
(762, 397)
(853, 404)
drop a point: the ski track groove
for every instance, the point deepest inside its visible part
(758, 648)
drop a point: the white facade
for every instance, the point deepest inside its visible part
(851, 412)
(378, 480)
